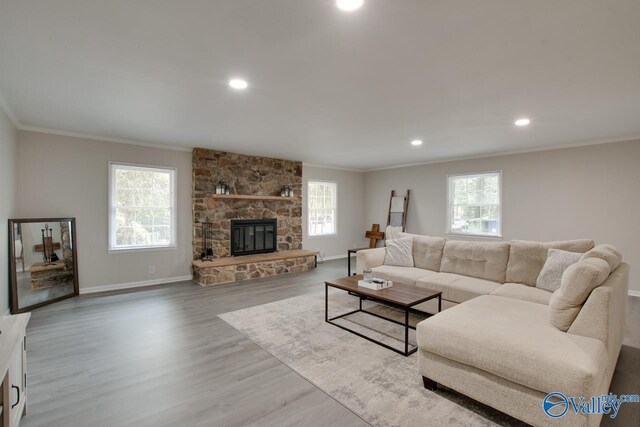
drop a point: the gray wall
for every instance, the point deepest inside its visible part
(586, 192)
(350, 211)
(8, 137)
(61, 176)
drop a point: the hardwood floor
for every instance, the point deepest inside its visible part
(161, 357)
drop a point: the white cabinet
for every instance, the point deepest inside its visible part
(13, 364)
(18, 382)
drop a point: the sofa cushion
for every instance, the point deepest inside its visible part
(557, 262)
(427, 251)
(484, 260)
(399, 252)
(609, 253)
(510, 338)
(369, 258)
(577, 283)
(406, 275)
(457, 288)
(523, 292)
(526, 258)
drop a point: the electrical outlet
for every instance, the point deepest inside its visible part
(152, 269)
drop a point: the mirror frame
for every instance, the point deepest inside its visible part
(13, 280)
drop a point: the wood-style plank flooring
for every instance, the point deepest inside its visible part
(161, 357)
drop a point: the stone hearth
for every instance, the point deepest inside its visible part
(234, 269)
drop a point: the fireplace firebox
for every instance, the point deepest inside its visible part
(253, 236)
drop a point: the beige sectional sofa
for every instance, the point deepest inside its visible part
(504, 342)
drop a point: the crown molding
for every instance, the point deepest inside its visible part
(407, 165)
(339, 168)
(509, 153)
(4, 106)
(103, 138)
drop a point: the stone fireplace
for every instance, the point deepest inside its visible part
(250, 176)
(255, 184)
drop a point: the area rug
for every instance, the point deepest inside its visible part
(381, 387)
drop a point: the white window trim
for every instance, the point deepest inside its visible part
(449, 232)
(335, 228)
(111, 249)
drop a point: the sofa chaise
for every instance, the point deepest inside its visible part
(505, 342)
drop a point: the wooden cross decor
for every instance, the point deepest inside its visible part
(374, 235)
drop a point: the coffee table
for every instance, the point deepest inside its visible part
(399, 296)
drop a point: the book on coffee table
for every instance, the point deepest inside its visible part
(375, 284)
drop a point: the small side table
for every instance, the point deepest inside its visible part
(349, 252)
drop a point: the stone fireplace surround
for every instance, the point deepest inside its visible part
(260, 178)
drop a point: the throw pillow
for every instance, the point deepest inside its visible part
(557, 262)
(526, 258)
(577, 283)
(609, 253)
(399, 252)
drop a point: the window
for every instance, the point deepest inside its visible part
(142, 207)
(474, 204)
(321, 204)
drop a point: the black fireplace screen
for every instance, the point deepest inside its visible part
(253, 236)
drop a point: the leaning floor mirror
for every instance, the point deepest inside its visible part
(43, 264)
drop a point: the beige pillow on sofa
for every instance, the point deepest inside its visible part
(482, 260)
(609, 253)
(399, 252)
(577, 283)
(557, 262)
(526, 258)
(427, 251)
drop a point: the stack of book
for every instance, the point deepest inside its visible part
(375, 284)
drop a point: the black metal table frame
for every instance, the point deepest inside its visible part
(406, 309)
(349, 252)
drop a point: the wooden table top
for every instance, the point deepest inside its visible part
(399, 293)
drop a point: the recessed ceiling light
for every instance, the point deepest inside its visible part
(238, 84)
(416, 142)
(349, 5)
(522, 122)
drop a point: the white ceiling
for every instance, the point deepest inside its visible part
(327, 87)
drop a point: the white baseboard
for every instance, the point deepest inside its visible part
(153, 282)
(331, 258)
(120, 286)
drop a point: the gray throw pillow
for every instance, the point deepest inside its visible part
(557, 262)
(399, 252)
